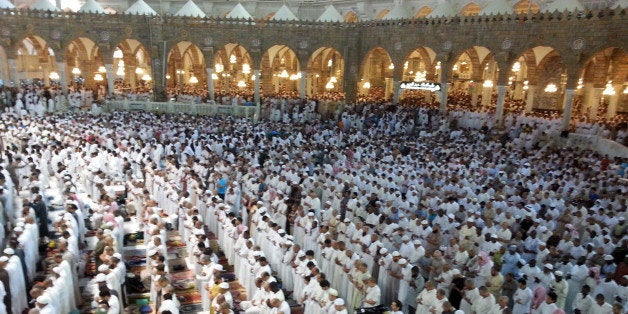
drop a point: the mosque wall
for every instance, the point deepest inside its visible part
(575, 36)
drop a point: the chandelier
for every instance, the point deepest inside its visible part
(53, 76)
(98, 77)
(609, 90)
(551, 88)
(193, 79)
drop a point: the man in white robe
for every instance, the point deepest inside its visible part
(17, 282)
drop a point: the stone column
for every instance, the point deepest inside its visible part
(130, 69)
(475, 92)
(210, 82)
(499, 112)
(63, 80)
(593, 101)
(111, 76)
(613, 101)
(13, 71)
(256, 85)
(396, 91)
(487, 93)
(530, 98)
(302, 85)
(443, 97)
(569, 93)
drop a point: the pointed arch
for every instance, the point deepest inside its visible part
(423, 12)
(351, 17)
(471, 9)
(280, 70)
(325, 70)
(377, 70)
(35, 59)
(525, 6)
(233, 70)
(186, 68)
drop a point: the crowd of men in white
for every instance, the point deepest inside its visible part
(385, 210)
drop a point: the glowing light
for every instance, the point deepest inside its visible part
(246, 68)
(626, 90)
(146, 77)
(120, 71)
(420, 76)
(98, 77)
(121, 63)
(333, 79)
(76, 71)
(487, 84)
(405, 65)
(580, 83)
(241, 84)
(391, 66)
(117, 54)
(437, 67)
(284, 74)
(366, 85)
(219, 67)
(294, 77)
(551, 88)
(193, 79)
(516, 67)
(330, 62)
(233, 59)
(102, 69)
(53, 76)
(455, 68)
(214, 76)
(609, 90)
(139, 71)
(167, 76)
(329, 85)
(253, 78)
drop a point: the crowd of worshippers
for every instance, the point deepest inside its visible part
(384, 208)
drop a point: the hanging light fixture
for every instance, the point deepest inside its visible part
(366, 85)
(330, 62)
(139, 71)
(405, 65)
(516, 67)
(241, 84)
(609, 90)
(233, 59)
(219, 67)
(121, 63)
(626, 90)
(167, 76)
(525, 85)
(487, 84)
(214, 76)
(98, 77)
(54, 76)
(391, 66)
(455, 68)
(120, 71)
(437, 67)
(294, 77)
(117, 54)
(76, 71)
(580, 83)
(253, 78)
(146, 77)
(329, 85)
(246, 68)
(102, 69)
(333, 79)
(420, 76)
(551, 88)
(284, 74)
(193, 79)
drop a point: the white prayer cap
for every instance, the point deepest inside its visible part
(333, 292)
(310, 214)
(9, 251)
(470, 219)
(608, 258)
(549, 266)
(455, 271)
(347, 220)
(339, 302)
(424, 222)
(289, 243)
(224, 285)
(542, 228)
(4, 259)
(103, 267)
(260, 203)
(18, 229)
(43, 299)
(417, 242)
(101, 278)
(451, 216)
(117, 255)
(395, 254)
(383, 250)
(542, 244)
(301, 254)
(281, 231)
(403, 261)
(405, 238)
(558, 273)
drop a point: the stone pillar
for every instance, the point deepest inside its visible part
(302, 85)
(256, 85)
(487, 93)
(569, 93)
(613, 101)
(530, 98)
(63, 79)
(210, 83)
(499, 112)
(132, 76)
(396, 91)
(111, 76)
(594, 98)
(13, 71)
(443, 97)
(475, 92)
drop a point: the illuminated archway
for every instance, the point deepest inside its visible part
(233, 70)
(377, 76)
(325, 72)
(35, 60)
(131, 66)
(280, 72)
(602, 85)
(473, 79)
(419, 66)
(84, 67)
(186, 69)
(470, 9)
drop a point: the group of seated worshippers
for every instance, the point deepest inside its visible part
(420, 217)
